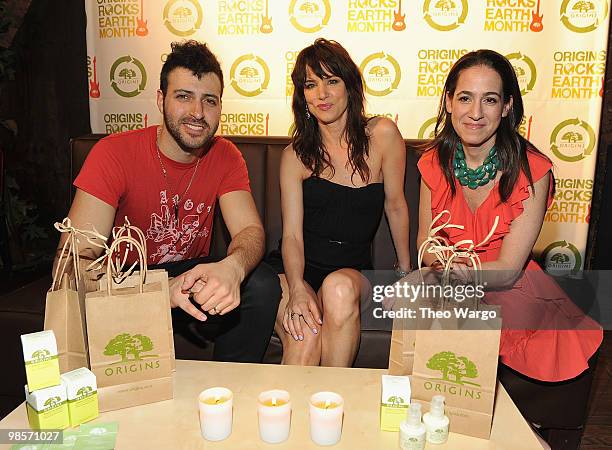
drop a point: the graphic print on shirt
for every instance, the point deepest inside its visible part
(174, 237)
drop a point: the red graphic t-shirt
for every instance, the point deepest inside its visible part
(124, 170)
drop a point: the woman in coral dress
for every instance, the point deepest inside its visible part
(489, 177)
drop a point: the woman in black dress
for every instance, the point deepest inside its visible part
(336, 176)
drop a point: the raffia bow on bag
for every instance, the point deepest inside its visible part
(122, 277)
(456, 357)
(65, 303)
(127, 328)
(447, 253)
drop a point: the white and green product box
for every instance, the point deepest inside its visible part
(47, 408)
(394, 401)
(82, 395)
(41, 360)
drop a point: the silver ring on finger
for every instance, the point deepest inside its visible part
(214, 309)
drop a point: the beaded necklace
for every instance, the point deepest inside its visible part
(481, 175)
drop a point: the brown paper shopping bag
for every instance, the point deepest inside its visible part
(128, 340)
(452, 347)
(459, 362)
(151, 276)
(65, 304)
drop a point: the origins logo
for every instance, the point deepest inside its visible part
(445, 15)
(183, 17)
(453, 368)
(244, 124)
(119, 122)
(562, 258)
(41, 355)
(572, 140)
(382, 74)
(53, 402)
(130, 348)
(249, 75)
(128, 76)
(428, 129)
(309, 16)
(583, 16)
(85, 391)
(525, 71)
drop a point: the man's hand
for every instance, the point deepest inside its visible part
(220, 293)
(180, 299)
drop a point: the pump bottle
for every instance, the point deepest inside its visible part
(412, 430)
(436, 423)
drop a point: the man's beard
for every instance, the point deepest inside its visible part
(195, 145)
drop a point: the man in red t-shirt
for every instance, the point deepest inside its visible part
(166, 180)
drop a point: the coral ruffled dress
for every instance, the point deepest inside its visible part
(544, 336)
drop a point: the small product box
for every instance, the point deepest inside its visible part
(41, 360)
(394, 401)
(47, 408)
(82, 394)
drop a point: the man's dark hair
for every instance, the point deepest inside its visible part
(191, 55)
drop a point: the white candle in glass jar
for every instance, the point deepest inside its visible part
(215, 405)
(326, 414)
(274, 415)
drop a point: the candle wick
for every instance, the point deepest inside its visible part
(273, 401)
(217, 398)
(327, 404)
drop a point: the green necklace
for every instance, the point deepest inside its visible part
(479, 176)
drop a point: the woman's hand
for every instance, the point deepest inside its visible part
(302, 305)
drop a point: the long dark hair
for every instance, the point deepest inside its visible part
(328, 58)
(511, 147)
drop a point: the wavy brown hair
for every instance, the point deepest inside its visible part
(511, 147)
(326, 59)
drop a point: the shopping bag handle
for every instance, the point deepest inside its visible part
(120, 260)
(111, 269)
(447, 253)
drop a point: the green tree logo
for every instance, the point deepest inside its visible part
(559, 258)
(41, 354)
(583, 7)
(127, 74)
(309, 8)
(183, 17)
(182, 12)
(395, 400)
(125, 345)
(445, 5)
(52, 401)
(379, 71)
(572, 136)
(85, 390)
(454, 368)
(249, 72)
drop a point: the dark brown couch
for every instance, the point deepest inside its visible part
(560, 407)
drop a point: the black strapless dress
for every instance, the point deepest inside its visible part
(339, 226)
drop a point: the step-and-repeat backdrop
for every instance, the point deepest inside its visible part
(404, 50)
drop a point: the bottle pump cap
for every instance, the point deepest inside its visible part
(414, 414)
(436, 408)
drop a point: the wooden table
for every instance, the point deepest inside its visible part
(174, 424)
